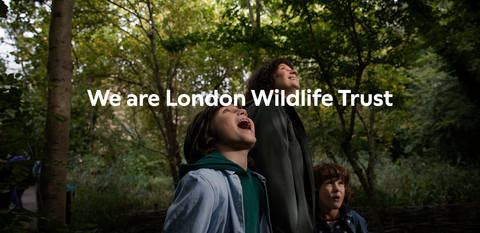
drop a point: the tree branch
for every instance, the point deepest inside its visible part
(159, 125)
(131, 35)
(250, 13)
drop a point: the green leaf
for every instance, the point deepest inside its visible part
(56, 224)
(11, 112)
(59, 117)
(24, 224)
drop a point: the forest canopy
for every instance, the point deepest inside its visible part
(388, 89)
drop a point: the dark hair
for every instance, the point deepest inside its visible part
(330, 171)
(263, 77)
(197, 141)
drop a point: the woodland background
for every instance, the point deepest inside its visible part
(423, 150)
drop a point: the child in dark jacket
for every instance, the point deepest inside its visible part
(332, 192)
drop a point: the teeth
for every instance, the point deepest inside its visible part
(244, 120)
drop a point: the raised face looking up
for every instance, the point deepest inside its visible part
(286, 79)
(234, 130)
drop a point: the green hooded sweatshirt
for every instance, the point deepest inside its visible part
(252, 189)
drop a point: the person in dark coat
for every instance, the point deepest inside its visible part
(5, 193)
(20, 182)
(281, 152)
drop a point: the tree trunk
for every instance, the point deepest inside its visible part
(250, 13)
(171, 143)
(53, 180)
(347, 148)
(371, 152)
(369, 182)
(258, 11)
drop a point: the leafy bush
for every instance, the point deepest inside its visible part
(417, 181)
(17, 221)
(103, 192)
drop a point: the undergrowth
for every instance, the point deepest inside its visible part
(103, 192)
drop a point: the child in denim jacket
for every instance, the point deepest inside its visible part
(332, 192)
(217, 192)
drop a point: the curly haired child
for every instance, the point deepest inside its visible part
(332, 192)
(282, 153)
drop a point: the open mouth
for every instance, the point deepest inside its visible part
(244, 124)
